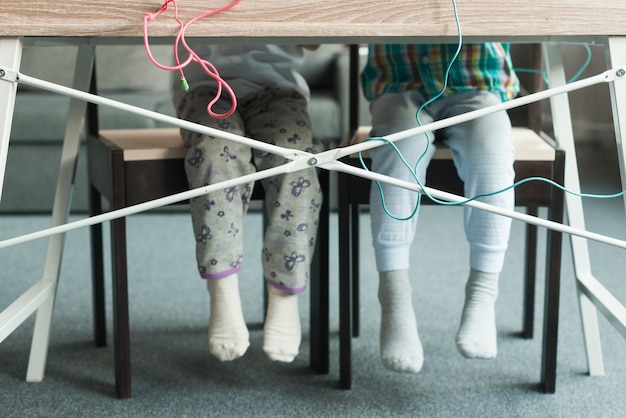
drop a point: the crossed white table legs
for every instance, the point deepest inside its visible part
(40, 297)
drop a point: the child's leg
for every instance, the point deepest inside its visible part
(484, 157)
(282, 333)
(217, 217)
(218, 220)
(228, 334)
(292, 203)
(400, 346)
(477, 336)
(392, 237)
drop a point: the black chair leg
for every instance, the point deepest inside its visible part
(265, 294)
(319, 319)
(120, 309)
(355, 273)
(553, 284)
(97, 271)
(345, 283)
(319, 289)
(530, 275)
(551, 314)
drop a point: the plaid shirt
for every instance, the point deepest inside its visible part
(399, 68)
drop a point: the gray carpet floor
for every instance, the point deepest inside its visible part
(174, 375)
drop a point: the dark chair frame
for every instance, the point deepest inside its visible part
(123, 183)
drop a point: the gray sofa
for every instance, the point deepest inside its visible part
(124, 73)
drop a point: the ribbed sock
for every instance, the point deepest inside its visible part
(228, 335)
(477, 335)
(282, 333)
(400, 346)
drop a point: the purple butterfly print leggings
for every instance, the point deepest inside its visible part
(292, 201)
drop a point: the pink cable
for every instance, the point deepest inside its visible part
(193, 57)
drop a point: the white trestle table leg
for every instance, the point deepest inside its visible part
(60, 213)
(10, 57)
(564, 135)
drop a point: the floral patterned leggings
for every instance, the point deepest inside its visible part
(292, 200)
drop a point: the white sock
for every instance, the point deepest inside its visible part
(228, 335)
(282, 333)
(400, 346)
(477, 335)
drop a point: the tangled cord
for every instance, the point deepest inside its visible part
(192, 56)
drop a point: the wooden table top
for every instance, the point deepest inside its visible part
(302, 20)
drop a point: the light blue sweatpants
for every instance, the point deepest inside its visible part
(483, 154)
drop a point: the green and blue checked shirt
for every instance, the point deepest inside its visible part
(398, 68)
